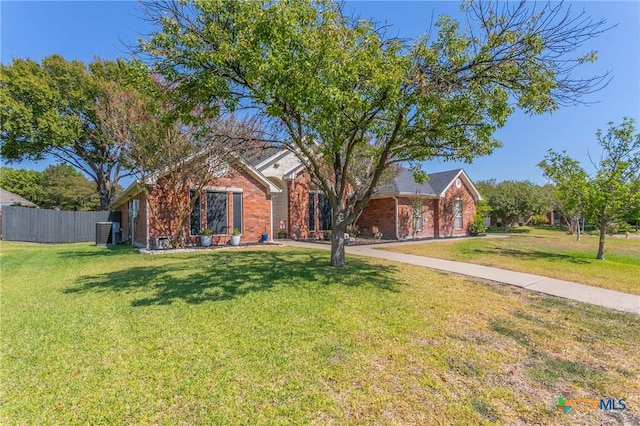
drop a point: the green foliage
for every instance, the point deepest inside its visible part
(613, 192)
(58, 186)
(64, 187)
(510, 199)
(352, 100)
(48, 109)
(416, 212)
(540, 219)
(23, 182)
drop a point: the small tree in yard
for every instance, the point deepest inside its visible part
(569, 192)
(160, 149)
(416, 213)
(612, 192)
(350, 100)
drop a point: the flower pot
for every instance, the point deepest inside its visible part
(235, 240)
(265, 238)
(205, 240)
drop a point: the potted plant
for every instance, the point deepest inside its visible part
(282, 234)
(205, 237)
(265, 236)
(235, 237)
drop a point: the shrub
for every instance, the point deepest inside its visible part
(353, 230)
(478, 226)
(540, 219)
(377, 235)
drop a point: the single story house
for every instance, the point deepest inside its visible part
(273, 192)
(448, 203)
(10, 199)
(239, 198)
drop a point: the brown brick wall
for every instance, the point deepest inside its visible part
(140, 222)
(447, 228)
(380, 212)
(256, 208)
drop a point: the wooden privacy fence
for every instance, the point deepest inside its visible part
(51, 226)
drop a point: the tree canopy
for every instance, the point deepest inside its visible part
(614, 191)
(510, 199)
(49, 109)
(350, 99)
(58, 186)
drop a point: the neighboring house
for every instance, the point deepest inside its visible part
(273, 192)
(10, 199)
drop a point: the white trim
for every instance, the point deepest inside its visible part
(217, 189)
(404, 194)
(291, 174)
(397, 225)
(134, 189)
(147, 213)
(461, 174)
(277, 156)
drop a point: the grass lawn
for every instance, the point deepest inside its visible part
(547, 252)
(92, 335)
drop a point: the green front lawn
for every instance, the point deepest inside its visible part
(546, 251)
(92, 335)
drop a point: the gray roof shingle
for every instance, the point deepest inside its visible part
(404, 182)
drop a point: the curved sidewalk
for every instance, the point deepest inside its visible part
(559, 288)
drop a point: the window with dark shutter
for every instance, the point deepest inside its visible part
(237, 211)
(194, 219)
(217, 212)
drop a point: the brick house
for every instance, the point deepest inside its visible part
(240, 198)
(448, 203)
(273, 192)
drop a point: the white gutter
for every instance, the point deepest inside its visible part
(395, 199)
(147, 214)
(271, 224)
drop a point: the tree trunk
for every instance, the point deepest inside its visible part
(578, 229)
(337, 245)
(603, 230)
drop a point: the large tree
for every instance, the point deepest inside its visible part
(350, 99)
(48, 109)
(612, 193)
(510, 199)
(172, 152)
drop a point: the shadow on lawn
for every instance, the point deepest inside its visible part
(224, 276)
(529, 254)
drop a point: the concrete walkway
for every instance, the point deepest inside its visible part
(559, 288)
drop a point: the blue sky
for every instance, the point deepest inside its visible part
(86, 29)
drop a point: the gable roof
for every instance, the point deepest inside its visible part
(404, 184)
(9, 199)
(136, 187)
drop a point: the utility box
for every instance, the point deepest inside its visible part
(104, 233)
